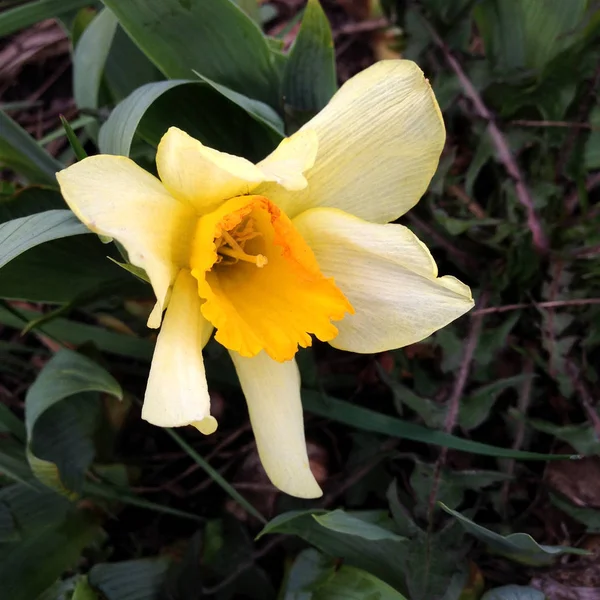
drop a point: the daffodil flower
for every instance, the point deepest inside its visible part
(271, 254)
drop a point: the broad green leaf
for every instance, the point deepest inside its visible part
(309, 79)
(90, 57)
(13, 462)
(140, 579)
(19, 235)
(215, 38)
(245, 127)
(32, 12)
(20, 152)
(61, 418)
(260, 111)
(514, 592)
(378, 553)
(368, 420)
(316, 577)
(33, 506)
(519, 547)
(350, 583)
(31, 565)
(49, 273)
(528, 34)
(342, 522)
(127, 67)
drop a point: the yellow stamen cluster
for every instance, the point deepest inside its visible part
(232, 245)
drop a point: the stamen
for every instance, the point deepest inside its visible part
(260, 260)
(236, 251)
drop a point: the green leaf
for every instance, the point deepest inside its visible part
(528, 34)
(61, 419)
(519, 547)
(131, 579)
(367, 548)
(368, 420)
(590, 517)
(581, 436)
(84, 591)
(245, 127)
(309, 79)
(350, 583)
(514, 592)
(20, 152)
(32, 12)
(476, 407)
(13, 463)
(19, 235)
(90, 57)
(80, 333)
(342, 522)
(215, 38)
(30, 566)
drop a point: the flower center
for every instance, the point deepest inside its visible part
(261, 283)
(230, 245)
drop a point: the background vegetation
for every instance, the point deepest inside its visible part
(442, 463)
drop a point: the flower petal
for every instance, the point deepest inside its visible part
(202, 176)
(177, 393)
(380, 138)
(288, 162)
(116, 198)
(272, 390)
(389, 277)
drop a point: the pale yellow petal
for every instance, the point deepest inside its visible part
(202, 176)
(379, 139)
(288, 162)
(115, 197)
(177, 393)
(389, 277)
(272, 391)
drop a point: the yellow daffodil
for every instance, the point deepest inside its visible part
(271, 254)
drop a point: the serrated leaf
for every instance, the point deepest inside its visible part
(519, 547)
(19, 235)
(60, 418)
(215, 38)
